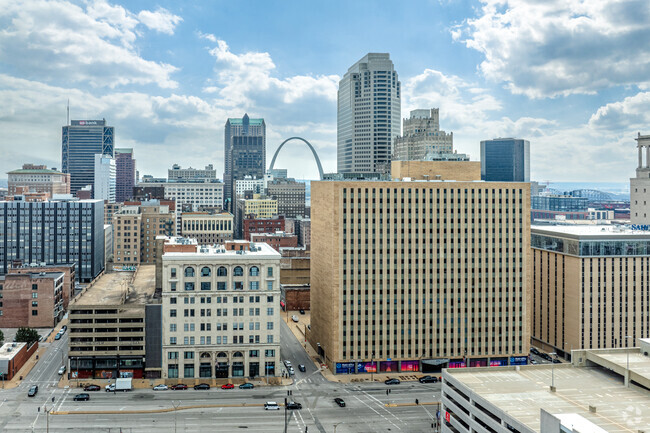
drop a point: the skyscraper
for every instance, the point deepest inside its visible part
(80, 142)
(244, 153)
(369, 114)
(640, 185)
(104, 185)
(505, 160)
(422, 136)
(124, 174)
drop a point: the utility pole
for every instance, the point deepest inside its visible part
(285, 415)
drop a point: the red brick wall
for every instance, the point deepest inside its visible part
(17, 302)
(262, 225)
(297, 299)
(276, 241)
(17, 362)
(68, 279)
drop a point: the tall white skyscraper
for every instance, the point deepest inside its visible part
(105, 178)
(369, 115)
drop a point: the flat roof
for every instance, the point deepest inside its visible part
(522, 392)
(262, 250)
(109, 289)
(35, 275)
(590, 230)
(6, 354)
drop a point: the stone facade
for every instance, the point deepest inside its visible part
(640, 185)
(436, 170)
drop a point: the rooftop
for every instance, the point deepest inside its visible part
(9, 350)
(111, 288)
(591, 230)
(35, 275)
(34, 171)
(257, 250)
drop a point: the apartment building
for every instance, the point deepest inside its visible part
(262, 225)
(290, 196)
(421, 135)
(221, 310)
(207, 228)
(177, 173)
(198, 193)
(419, 275)
(33, 300)
(257, 207)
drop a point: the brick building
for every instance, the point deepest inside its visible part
(33, 300)
(13, 356)
(276, 240)
(263, 225)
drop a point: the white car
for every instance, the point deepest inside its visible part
(295, 318)
(271, 405)
(62, 370)
(160, 387)
(110, 388)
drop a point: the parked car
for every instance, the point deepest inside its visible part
(161, 387)
(110, 388)
(82, 397)
(57, 336)
(64, 328)
(62, 370)
(392, 381)
(339, 401)
(557, 361)
(271, 405)
(428, 379)
(202, 386)
(91, 388)
(302, 368)
(532, 361)
(179, 387)
(227, 386)
(295, 318)
(294, 405)
(33, 390)
(302, 311)
(246, 386)
(534, 351)
(291, 371)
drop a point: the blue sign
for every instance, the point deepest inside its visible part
(345, 367)
(642, 227)
(518, 360)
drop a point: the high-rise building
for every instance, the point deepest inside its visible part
(80, 142)
(248, 183)
(368, 116)
(125, 174)
(421, 135)
(53, 233)
(105, 178)
(419, 275)
(177, 173)
(640, 185)
(39, 179)
(505, 160)
(244, 153)
(290, 196)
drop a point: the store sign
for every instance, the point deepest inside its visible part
(518, 360)
(640, 227)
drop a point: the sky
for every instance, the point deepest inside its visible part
(571, 76)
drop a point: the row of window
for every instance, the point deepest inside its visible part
(221, 285)
(219, 339)
(190, 312)
(222, 271)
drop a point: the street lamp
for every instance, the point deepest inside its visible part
(627, 353)
(47, 417)
(176, 404)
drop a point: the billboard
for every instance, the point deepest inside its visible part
(410, 366)
(345, 367)
(518, 360)
(88, 122)
(367, 367)
(388, 366)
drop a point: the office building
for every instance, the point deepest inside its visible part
(68, 271)
(290, 196)
(53, 233)
(105, 178)
(560, 207)
(275, 240)
(303, 230)
(125, 174)
(33, 300)
(262, 225)
(221, 316)
(589, 396)
(38, 179)
(244, 153)
(368, 115)
(258, 207)
(108, 325)
(197, 195)
(421, 135)
(176, 173)
(80, 142)
(110, 209)
(152, 191)
(589, 286)
(207, 228)
(640, 185)
(505, 160)
(463, 170)
(251, 184)
(136, 227)
(439, 271)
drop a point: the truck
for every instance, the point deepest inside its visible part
(123, 384)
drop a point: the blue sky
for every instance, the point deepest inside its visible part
(570, 76)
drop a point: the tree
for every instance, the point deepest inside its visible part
(26, 335)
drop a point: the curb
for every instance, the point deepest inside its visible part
(162, 410)
(422, 403)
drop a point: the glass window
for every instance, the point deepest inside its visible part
(221, 285)
(188, 371)
(172, 286)
(205, 285)
(173, 272)
(254, 271)
(189, 286)
(205, 271)
(189, 271)
(172, 312)
(172, 371)
(254, 285)
(269, 285)
(238, 271)
(222, 272)
(172, 355)
(269, 271)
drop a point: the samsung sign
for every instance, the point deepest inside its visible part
(88, 122)
(641, 227)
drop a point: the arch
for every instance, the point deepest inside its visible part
(254, 271)
(189, 271)
(320, 167)
(238, 271)
(238, 355)
(205, 271)
(222, 272)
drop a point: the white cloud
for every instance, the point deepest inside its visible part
(561, 47)
(629, 114)
(208, 36)
(161, 20)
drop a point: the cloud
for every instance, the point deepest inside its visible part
(60, 41)
(560, 47)
(629, 114)
(161, 20)
(208, 36)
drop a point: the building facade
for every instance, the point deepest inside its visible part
(105, 178)
(254, 185)
(33, 300)
(640, 185)
(196, 194)
(368, 115)
(125, 174)
(262, 225)
(439, 272)
(52, 233)
(176, 173)
(589, 286)
(80, 142)
(206, 228)
(256, 207)
(221, 313)
(505, 160)
(276, 240)
(290, 196)
(38, 178)
(559, 207)
(421, 135)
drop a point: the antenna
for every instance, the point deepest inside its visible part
(68, 113)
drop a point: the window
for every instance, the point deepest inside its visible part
(172, 286)
(205, 285)
(172, 312)
(205, 271)
(189, 271)
(269, 271)
(172, 327)
(221, 285)
(254, 285)
(269, 353)
(222, 272)
(189, 287)
(269, 311)
(254, 271)
(238, 271)
(188, 371)
(269, 299)
(269, 338)
(188, 355)
(172, 371)
(172, 355)
(172, 300)
(34, 303)
(269, 285)
(34, 295)
(34, 286)
(238, 285)
(34, 312)
(172, 340)
(173, 272)
(253, 353)
(269, 325)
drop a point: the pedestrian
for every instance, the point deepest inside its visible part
(417, 402)
(386, 392)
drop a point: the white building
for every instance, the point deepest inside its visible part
(368, 116)
(248, 183)
(640, 185)
(221, 310)
(422, 136)
(177, 173)
(105, 178)
(208, 194)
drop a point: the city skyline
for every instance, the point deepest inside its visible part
(168, 74)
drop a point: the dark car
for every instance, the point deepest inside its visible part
(339, 401)
(57, 337)
(64, 328)
(534, 351)
(202, 386)
(82, 397)
(302, 311)
(33, 390)
(246, 386)
(91, 388)
(557, 361)
(294, 405)
(179, 386)
(392, 382)
(302, 368)
(428, 379)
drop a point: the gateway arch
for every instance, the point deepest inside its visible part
(320, 167)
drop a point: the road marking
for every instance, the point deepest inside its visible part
(373, 409)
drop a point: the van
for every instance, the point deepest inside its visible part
(271, 405)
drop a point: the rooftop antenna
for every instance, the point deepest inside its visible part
(68, 113)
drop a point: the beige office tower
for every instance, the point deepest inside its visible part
(420, 275)
(589, 287)
(640, 185)
(422, 136)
